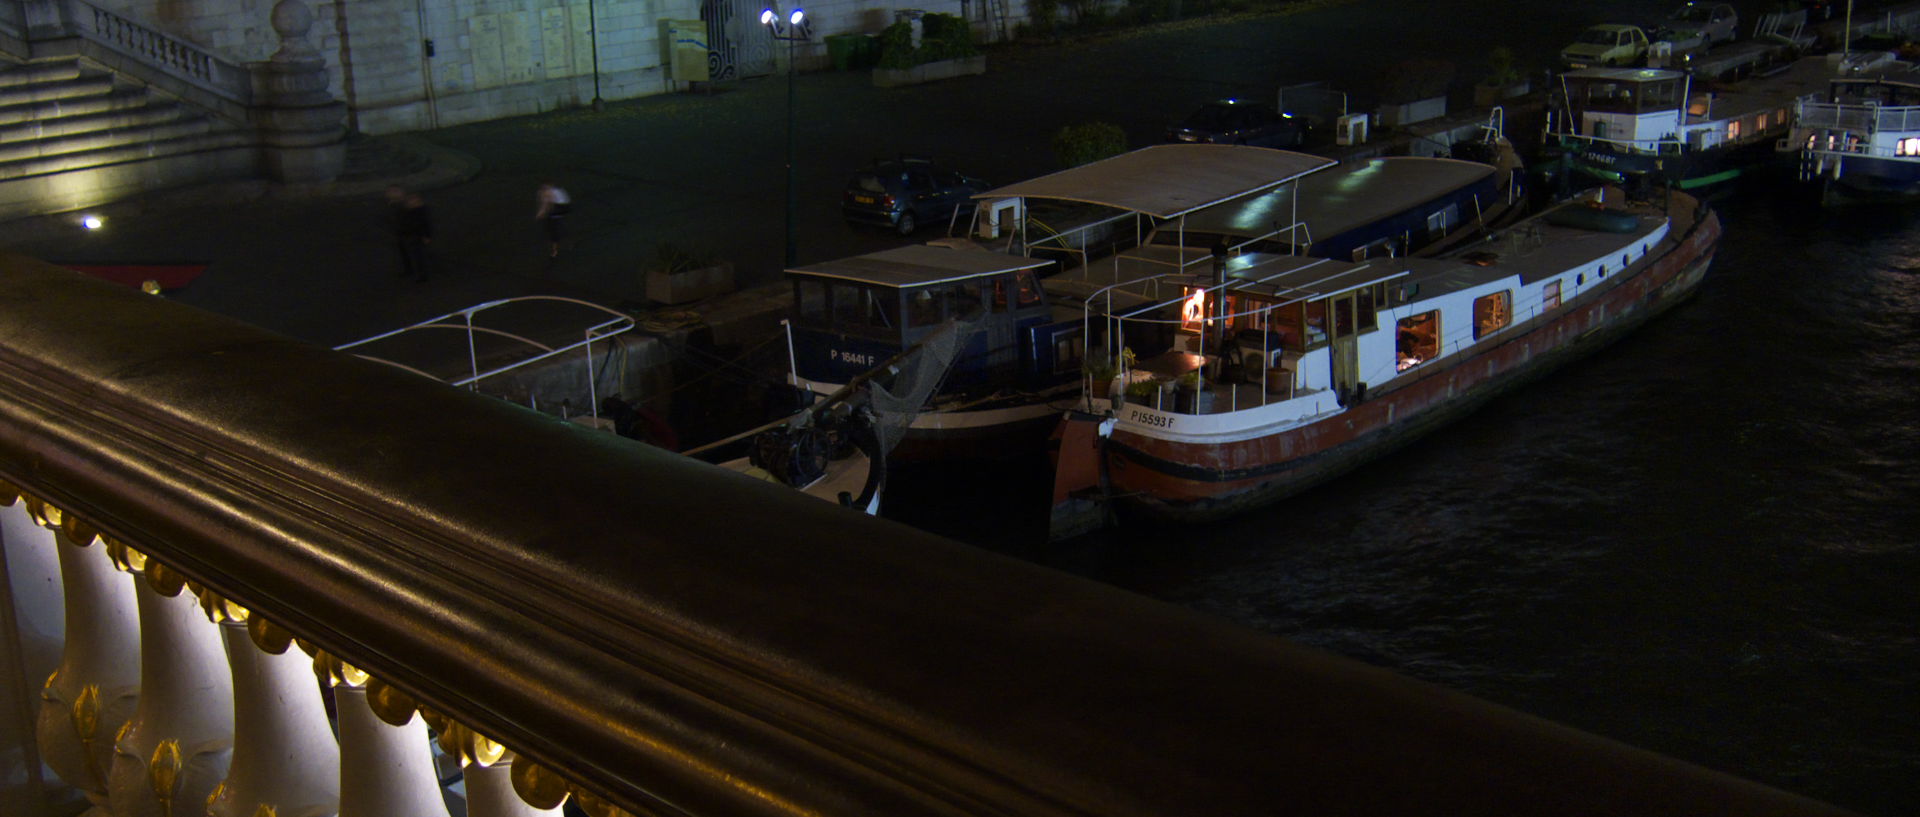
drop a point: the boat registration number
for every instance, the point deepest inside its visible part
(863, 199)
(1149, 419)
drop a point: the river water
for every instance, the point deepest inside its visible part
(1703, 540)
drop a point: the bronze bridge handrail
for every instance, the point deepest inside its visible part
(685, 640)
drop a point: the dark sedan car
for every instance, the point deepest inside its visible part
(903, 194)
(1233, 122)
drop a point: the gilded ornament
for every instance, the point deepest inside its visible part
(37, 509)
(163, 773)
(390, 705)
(434, 720)
(165, 580)
(271, 638)
(540, 788)
(85, 717)
(336, 671)
(217, 608)
(50, 516)
(596, 807)
(264, 811)
(78, 531)
(126, 558)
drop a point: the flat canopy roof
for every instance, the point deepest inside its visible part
(1165, 181)
(1339, 200)
(919, 265)
(1625, 74)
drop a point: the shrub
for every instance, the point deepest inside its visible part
(1075, 145)
(671, 258)
(896, 46)
(1044, 14)
(942, 37)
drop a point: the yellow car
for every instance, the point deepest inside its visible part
(1606, 44)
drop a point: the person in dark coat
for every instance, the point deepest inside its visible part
(413, 230)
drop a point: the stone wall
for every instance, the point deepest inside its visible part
(492, 58)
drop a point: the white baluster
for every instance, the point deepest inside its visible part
(490, 792)
(180, 741)
(285, 759)
(385, 771)
(30, 651)
(97, 687)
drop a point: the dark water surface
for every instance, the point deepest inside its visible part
(1702, 540)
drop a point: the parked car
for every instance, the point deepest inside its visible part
(902, 194)
(1235, 122)
(1606, 44)
(1712, 23)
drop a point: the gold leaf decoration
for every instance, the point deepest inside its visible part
(51, 516)
(165, 580)
(126, 558)
(36, 509)
(78, 531)
(596, 807)
(540, 788)
(434, 720)
(86, 711)
(484, 750)
(336, 671)
(390, 705)
(217, 608)
(264, 811)
(163, 773)
(271, 638)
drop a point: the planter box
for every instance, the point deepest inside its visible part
(1410, 112)
(929, 72)
(1487, 96)
(690, 285)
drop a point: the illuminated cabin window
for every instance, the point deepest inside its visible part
(1909, 146)
(1779, 117)
(1491, 313)
(1550, 296)
(1733, 129)
(1193, 313)
(1417, 339)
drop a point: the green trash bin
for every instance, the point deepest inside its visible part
(868, 53)
(844, 51)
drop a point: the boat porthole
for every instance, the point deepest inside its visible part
(1624, 262)
(1580, 280)
(1601, 271)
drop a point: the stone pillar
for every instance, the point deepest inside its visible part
(302, 127)
(490, 792)
(32, 628)
(97, 687)
(179, 743)
(44, 19)
(385, 770)
(285, 760)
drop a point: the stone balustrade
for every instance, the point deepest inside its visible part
(241, 521)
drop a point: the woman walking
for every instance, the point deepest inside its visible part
(555, 204)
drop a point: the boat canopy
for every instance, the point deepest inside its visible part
(919, 265)
(1168, 181)
(1352, 195)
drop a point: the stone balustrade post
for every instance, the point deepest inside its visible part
(285, 759)
(490, 792)
(32, 630)
(97, 686)
(179, 743)
(385, 770)
(302, 127)
(45, 19)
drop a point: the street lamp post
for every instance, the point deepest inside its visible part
(793, 31)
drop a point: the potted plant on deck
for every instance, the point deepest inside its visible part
(1503, 81)
(678, 275)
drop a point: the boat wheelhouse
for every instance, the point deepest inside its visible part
(1283, 371)
(1633, 126)
(1015, 354)
(1861, 140)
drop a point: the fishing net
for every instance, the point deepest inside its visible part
(901, 396)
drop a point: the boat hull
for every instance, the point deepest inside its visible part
(1873, 179)
(1190, 481)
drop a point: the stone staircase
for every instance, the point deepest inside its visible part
(73, 136)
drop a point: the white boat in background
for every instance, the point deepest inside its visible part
(1278, 372)
(1860, 140)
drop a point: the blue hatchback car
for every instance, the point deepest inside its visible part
(903, 194)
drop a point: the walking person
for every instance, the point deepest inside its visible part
(555, 204)
(413, 229)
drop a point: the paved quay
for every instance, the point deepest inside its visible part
(706, 171)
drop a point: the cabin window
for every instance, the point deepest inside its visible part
(1733, 129)
(810, 301)
(1000, 294)
(925, 307)
(1366, 302)
(1066, 352)
(863, 309)
(1417, 339)
(1439, 223)
(1491, 313)
(1909, 146)
(1550, 296)
(1316, 322)
(1026, 292)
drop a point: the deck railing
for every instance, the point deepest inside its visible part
(239, 519)
(1862, 118)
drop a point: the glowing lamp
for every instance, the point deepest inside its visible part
(92, 222)
(796, 17)
(766, 17)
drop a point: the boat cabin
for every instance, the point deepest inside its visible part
(1637, 109)
(852, 314)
